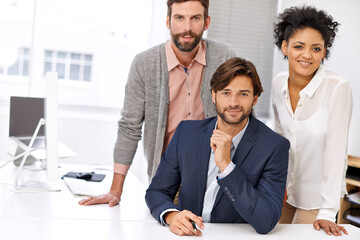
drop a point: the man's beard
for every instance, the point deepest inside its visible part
(187, 46)
(226, 119)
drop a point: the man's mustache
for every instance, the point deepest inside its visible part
(234, 108)
(191, 34)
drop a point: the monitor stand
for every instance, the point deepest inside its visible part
(29, 160)
(33, 185)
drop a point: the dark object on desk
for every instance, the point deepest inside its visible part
(193, 225)
(84, 175)
(87, 176)
(353, 173)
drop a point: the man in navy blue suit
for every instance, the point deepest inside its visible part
(231, 168)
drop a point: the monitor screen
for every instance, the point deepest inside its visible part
(25, 113)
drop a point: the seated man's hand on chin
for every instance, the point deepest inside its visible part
(329, 227)
(110, 198)
(181, 223)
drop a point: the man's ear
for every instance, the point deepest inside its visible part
(256, 97)
(213, 95)
(207, 23)
(168, 21)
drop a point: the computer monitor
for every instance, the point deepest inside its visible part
(25, 113)
(50, 128)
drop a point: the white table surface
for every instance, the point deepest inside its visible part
(38, 228)
(64, 205)
(57, 215)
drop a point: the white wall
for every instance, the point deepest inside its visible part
(113, 33)
(344, 54)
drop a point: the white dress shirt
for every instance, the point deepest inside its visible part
(318, 134)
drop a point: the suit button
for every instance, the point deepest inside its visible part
(226, 188)
(228, 192)
(233, 199)
(231, 196)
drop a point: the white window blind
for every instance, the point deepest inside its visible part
(248, 27)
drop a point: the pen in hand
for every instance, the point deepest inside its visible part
(194, 225)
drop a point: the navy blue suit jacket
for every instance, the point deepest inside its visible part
(252, 193)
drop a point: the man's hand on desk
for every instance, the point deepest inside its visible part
(112, 197)
(181, 223)
(329, 227)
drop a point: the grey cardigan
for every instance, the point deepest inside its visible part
(147, 98)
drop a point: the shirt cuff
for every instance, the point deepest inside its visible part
(162, 221)
(326, 214)
(227, 170)
(121, 168)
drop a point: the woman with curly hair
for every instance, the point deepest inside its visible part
(312, 108)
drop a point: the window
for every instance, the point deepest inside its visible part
(92, 55)
(21, 65)
(68, 65)
(248, 27)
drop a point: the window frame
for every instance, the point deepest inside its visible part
(68, 61)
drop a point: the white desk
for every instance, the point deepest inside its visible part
(37, 228)
(57, 215)
(63, 204)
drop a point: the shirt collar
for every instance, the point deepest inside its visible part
(310, 89)
(314, 84)
(172, 60)
(237, 138)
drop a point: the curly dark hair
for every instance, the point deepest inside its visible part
(297, 18)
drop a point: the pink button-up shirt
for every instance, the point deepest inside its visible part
(184, 89)
(184, 94)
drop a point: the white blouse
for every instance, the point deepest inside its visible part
(318, 134)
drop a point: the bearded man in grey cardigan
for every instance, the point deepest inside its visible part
(166, 84)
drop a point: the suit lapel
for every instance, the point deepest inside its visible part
(246, 143)
(203, 161)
